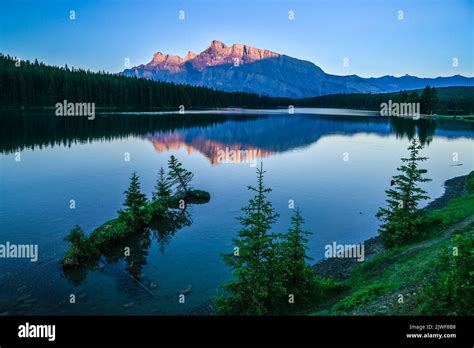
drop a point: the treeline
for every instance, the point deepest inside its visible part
(445, 101)
(35, 84)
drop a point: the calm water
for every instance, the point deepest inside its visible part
(304, 156)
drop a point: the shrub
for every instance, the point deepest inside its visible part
(451, 289)
(82, 249)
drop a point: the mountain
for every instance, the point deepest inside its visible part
(241, 68)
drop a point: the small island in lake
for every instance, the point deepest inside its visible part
(172, 191)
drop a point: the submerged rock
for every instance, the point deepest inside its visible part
(186, 291)
(21, 288)
(191, 197)
(129, 305)
(31, 300)
(23, 298)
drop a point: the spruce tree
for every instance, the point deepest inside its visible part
(136, 214)
(402, 97)
(162, 195)
(299, 277)
(252, 286)
(178, 175)
(402, 221)
(428, 100)
(162, 187)
(413, 97)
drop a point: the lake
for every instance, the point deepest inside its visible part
(334, 167)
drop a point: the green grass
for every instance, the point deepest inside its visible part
(362, 296)
(456, 210)
(109, 233)
(376, 286)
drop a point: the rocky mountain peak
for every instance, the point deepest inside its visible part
(189, 56)
(168, 62)
(217, 45)
(217, 53)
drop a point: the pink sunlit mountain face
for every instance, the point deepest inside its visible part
(216, 54)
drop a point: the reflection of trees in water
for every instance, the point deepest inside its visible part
(20, 132)
(405, 127)
(163, 229)
(260, 132)
(139, 244)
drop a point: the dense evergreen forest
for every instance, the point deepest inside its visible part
(35, 84)
(25, 84)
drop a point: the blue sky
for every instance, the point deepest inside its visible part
(368, 33)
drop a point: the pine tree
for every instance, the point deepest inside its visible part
(413, 97)
(299, 277)
(251, 261)
(402, 221)
(161, 197)
(178, 175)
(162, 187)
(136, 214)
(428, 100)
(403, 97)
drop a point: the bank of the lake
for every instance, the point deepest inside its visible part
(399, 281)
(341, 268)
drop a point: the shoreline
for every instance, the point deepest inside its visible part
(235, 110)
(341, 268)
